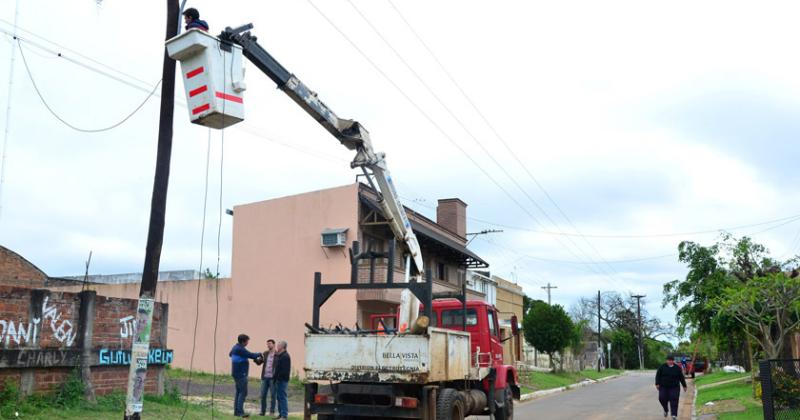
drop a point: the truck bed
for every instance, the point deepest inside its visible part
(439, 355)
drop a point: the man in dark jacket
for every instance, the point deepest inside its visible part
(283, 372)
(192, 19)
(669, 377)
(240, 367)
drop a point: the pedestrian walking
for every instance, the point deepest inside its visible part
(669, 378)
(240, 368)
(268, 378)
(283, 372)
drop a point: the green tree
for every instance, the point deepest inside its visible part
(548, 328)
(767, 306)
(715, 270)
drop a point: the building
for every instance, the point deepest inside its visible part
(509, 302)
(481, 282)
(278, 245)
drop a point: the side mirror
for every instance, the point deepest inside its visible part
(514, 325)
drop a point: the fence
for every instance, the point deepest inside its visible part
(780, 389)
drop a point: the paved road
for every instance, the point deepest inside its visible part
(632, 396)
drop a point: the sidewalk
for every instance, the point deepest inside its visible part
(686, 404)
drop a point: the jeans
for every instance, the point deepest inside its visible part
(266, 384)
(283, 402)
(241, 394)
(671, 396)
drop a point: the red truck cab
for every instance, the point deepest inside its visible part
(484, 328)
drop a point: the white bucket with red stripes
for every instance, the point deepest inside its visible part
(213, 78)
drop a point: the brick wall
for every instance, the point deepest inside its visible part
(46, 335)
(17, 271)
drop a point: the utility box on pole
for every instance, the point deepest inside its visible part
(213, 78)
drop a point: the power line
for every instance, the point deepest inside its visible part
(447, 136)
(471, 135)
(65, 122)
(497, 134)
(642, 235)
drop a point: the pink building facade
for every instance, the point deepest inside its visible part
(277, 248)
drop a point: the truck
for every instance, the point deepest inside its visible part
(452, 370)
(445, 364)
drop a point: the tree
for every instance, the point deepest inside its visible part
(715, 271)
(768, 306)
(548, 328)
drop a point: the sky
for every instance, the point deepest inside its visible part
(597, 136)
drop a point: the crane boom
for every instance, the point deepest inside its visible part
(350, 133)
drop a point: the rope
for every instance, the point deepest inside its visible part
(62, 120)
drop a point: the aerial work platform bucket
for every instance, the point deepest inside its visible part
(213, 77)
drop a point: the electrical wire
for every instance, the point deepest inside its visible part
(200, 271)
(62, 120)
(219, 226)
(597, 266)
(493, 129)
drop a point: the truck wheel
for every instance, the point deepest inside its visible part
(506, 397)
(450, 405)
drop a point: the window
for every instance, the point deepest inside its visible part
(442, 272)
(434, 319)
(453, 317)
(492, 324)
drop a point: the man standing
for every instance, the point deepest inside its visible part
(668, 378)
(240, 368)
(283, 371)
(267, 378)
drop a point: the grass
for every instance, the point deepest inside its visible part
(740, 391)
(718, 377)
(113, 406)
(537, 381)
(208, 378)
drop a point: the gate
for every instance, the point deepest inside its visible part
(780, 389)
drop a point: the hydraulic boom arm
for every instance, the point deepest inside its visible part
(349, 132)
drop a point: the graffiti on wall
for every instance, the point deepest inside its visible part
(20, 333)
(156, 356)
(128, 328)
(63, 330)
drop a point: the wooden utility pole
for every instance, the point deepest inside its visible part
(548, 287)
(639, 318)
(599, 343)
(155, 234)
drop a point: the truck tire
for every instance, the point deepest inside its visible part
(450, 405)
(506, 397)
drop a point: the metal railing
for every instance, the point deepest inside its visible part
(780, 389)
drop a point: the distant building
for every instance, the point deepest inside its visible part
(481, 282)
(509, 302)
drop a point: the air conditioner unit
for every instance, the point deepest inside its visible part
(334, 237)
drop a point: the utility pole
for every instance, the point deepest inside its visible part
(548, 287)
(155, 234)
(639, 318)
(599, 343)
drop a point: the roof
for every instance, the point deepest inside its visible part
(334, 231)
(429, 238)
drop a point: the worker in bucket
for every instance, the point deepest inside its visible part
(192, 19)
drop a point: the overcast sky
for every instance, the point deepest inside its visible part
(636, 119)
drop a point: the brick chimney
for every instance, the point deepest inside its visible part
(452, 214)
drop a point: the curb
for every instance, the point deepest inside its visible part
(694, 404)
(539, 394)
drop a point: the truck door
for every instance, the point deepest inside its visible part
(494, 337)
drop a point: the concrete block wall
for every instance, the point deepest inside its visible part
(46, 336)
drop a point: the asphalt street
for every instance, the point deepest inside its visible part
(632, 396)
